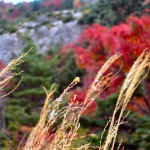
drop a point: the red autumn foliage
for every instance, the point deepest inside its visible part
(2, 65)
(77, 3)
(49, 136)
(78, 99)
(55, 3)
(139, 105)
(97, 43)
(14, 14)
(4, 9)
(48, 57)
(26, 6)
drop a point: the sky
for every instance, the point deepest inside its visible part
(17, 1)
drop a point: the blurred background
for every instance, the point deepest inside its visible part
(71, 38)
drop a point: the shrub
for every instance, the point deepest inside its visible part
(67, 18)
(3, 26)
(12, 28)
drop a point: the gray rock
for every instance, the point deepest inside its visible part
(77, 15)
(65, 34)
(57, 23)
(42, 18)
(10, 47)
(89, 1)
(22, 30)
(30, 24)
(45, 38)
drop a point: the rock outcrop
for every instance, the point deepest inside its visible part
(10, 46)
(46, 32)
(45, 38)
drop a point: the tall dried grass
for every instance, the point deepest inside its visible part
(8, 73)
(48, 134)
(6, 76)
(135, 76)
(45, 135)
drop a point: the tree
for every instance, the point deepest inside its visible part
(97, 43)
(108, 12)
(35, 5)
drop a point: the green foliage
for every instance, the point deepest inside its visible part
(11, 28)
(108, 12)
(67, 18)
(23, 114)
(32, 17)
(135, 134)
(40, 72)
(5, 141)
(5, 26)
(104, 110)
(83, 132)
(35, 5)
(44, 70)
(60, 16)
(2, 26)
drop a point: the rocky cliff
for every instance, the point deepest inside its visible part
(46, 32)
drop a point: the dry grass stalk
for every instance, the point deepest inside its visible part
(8, 73)
(134, 78)
(45, 135)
